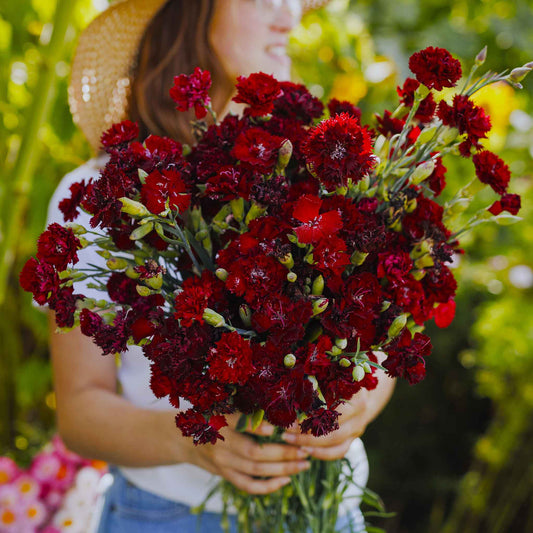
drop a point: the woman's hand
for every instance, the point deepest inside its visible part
(353, 420)
(252, 467)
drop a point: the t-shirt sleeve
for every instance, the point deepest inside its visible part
(87, 256)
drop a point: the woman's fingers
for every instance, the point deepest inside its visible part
(330, 453)
(267, 469)
(351, 428)
(254, 486)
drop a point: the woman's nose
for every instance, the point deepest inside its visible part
(286, 15)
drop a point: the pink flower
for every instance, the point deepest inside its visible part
(45, 467)
(28, 487)
(8, 470)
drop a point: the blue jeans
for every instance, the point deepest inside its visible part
(128, 509)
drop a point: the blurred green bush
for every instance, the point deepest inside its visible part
(452, 454)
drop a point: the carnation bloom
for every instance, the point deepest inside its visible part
(336, 107)
(314, 226)
(297, 103)
(435, 68)
(339, 149)
(508, 202)
(193, 424)
(192, 91)
(40, 279)
(119, 134)
(69, 206)
(492, 170)
(162, 186)
(230, 360)
(427, 106)
(58, 246)
(259, 91)
(257, 149)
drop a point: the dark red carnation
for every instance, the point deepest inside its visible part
(162, 186)
(427, 106)
(388, 125)
(40, 279)
(321, 422)
(64, 305)
(314, 226)
(192, 91)
(257, 149)
(435, 68)
(394, 265)
(193, 424)
(339, 148)
(467, 117)
(297, 103)
(58, 246)
(508, 202)
(330, 257)
(228, 184)
(122, 289)
(69, 206)
(90, 322)
(120, 133)
(437, 180)
(336, 107)
(259, 91)
(492, 170)
(230, 360)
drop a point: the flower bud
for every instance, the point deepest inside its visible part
(284, 155)
(289, 360)
(254, 212)
(222, 274)
(287, 260)
(358, 373)
(481, 57)
(518, 74)
(309, 259)
(420, 249)
(335, 350)
(345, 363)
(155, 282)
(213, 318)
(131, 273)
(141, 231)
(364, 183)
(237, 207)
(318, 285)
(133, 208)
(246, 315)
(424, 261)
(367, 368)
(341, 343)
(396, 226)
(358, 258)
(385, 305)
(422, 172)
(397, 325)
(201, 235)
(418, 274)
(77, 229)
(448, 135)
(320, 305)
(411, 205)
(341, 191)
(106, 254)
(142, 175)
(426, 135)
(291, 277)
(142, 290)
(116, 263)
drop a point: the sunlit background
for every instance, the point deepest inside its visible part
(452, 454)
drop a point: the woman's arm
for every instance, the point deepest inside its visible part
(356, 414)
(96, 422)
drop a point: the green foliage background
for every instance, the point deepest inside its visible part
(453, 454)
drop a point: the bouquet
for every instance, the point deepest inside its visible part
(262, 268)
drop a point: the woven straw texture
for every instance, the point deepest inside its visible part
(102, 66)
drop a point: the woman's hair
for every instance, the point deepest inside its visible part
(175, 42)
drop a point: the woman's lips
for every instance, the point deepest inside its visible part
(278, 52)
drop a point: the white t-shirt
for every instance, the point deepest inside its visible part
(184, 483)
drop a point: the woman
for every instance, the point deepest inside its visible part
(161, 473)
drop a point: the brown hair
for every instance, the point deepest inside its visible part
(175, 42)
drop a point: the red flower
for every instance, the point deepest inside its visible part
(197, 294)
(122, 289)
(230, 360)
(69, 206)
(259, 91)
(492, 170)
(120, 133)
(58, 246)
(160, 186)
(437, 180)
(40, 279)
(394, 265)
(193, 424)
(336, 107)
(444, 314)
(257, 149)
(427, 107)
(90, 322)
(339, 148)
(435, 68)
(508, 202)
(64, 304)
(321, 422)
(387, 125)
(297, 104)
(229, 183)
(192, 91)
(330, 257)
(314, 226)
(466, 117)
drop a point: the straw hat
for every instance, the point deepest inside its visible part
(102, 66)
